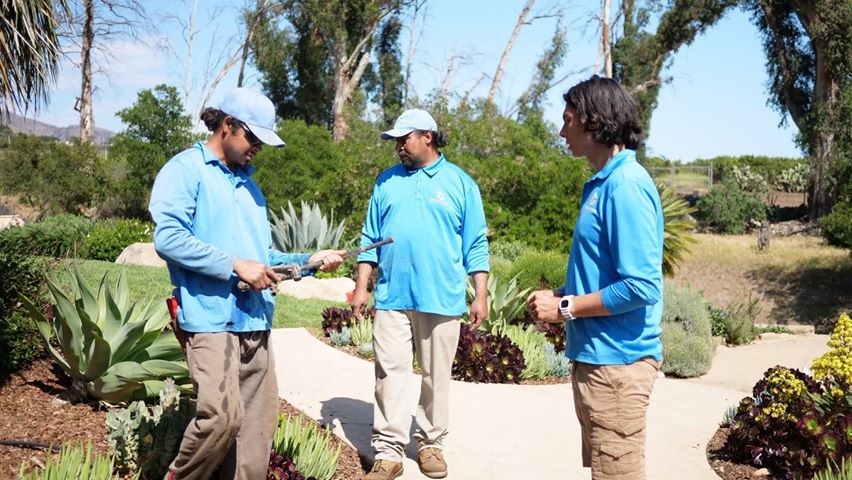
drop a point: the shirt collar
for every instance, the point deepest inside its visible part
(618, 160)
(432, 168)
(243, 173)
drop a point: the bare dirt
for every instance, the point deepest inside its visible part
(31, 409)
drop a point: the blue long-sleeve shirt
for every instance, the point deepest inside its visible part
(618, 250)
(206, 218)
(436, 217)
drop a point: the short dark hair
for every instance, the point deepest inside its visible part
(607, 111)
(213, 118)
(439, 138)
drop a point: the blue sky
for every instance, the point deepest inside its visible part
(715, 104)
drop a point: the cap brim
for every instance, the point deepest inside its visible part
(267, 136)
(396, 133)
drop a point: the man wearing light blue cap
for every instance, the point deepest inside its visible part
(434, 211)
(212, 229)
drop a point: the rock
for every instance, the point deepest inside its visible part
(332, 289)
(141, 254)
(660, 374)
(762, 473)
(7, 221)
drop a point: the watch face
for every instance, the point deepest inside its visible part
(563, 303)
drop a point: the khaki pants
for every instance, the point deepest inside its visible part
(611, 402)
(434, 338)
(237, 411)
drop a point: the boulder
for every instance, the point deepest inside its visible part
(141, 254)
(332, 289)
(7, 221)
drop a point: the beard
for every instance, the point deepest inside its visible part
(408, 162)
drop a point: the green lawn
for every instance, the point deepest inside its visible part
(152, 283)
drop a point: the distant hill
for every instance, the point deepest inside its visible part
(20, 124)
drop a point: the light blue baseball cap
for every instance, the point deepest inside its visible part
(255, 110)
(409, 121)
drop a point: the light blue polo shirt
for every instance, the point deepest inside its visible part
(436, 217)
(618, 250)
(207, 217)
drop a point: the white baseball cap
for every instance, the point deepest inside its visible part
(255, 110)
(409, 121)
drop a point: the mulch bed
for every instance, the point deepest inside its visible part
(720, 460)
(32, 409)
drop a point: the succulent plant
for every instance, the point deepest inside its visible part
(114, 351)
(335, 318)
(485, 358)
(306, 233)
(282, 468)
(505, 303)
(341, 338)
(558, 365)
(362, 332)
(309, 447)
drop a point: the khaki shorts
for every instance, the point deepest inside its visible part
(611, 402)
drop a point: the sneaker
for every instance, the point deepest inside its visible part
(385, 470)
(431, 461)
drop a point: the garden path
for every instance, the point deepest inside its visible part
(499, 431)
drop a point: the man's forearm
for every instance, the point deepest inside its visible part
(365, 269)
(480, 284)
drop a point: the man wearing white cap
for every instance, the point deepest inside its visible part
(212, 229)
(433, 210)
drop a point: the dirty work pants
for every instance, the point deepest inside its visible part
(611, 402)
(237, 410)
(434, 338)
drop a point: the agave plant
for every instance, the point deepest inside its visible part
(532, 344)
(679, 224)
(113, 351)
(74, 461)
(506, 302)
(362, 332)
(306, 233)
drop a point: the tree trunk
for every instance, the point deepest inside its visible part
(252, 26)
(87, 122)
(826, 93)
(344, 84)
(498, 75)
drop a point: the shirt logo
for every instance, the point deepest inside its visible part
(592, 202)
(440, 198)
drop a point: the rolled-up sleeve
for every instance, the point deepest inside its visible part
(635, 240)
(473, 233)
(172, 208)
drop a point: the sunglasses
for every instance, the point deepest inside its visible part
(250, 137)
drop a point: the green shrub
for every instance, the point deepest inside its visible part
(110, 237)
(73, 461)
(728, 209)
(19, 342)
(687, 345)
(736, 322)
(540, 270)
(145, 439)
(532, 344)
(507, 250)
(56, 237)
(309, 448)
(837, 225)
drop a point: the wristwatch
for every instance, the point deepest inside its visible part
(565, 307)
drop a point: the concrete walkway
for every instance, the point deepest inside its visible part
(505, 431)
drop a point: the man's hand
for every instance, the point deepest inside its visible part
(543, 306)
(331, 259)
(256, 274)
(478, 311)
(359, 300)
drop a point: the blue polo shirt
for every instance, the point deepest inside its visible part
(436, 217)
(206, 218)
(618, 250)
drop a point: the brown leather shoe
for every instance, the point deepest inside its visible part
(385, 470)
(431, 461)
